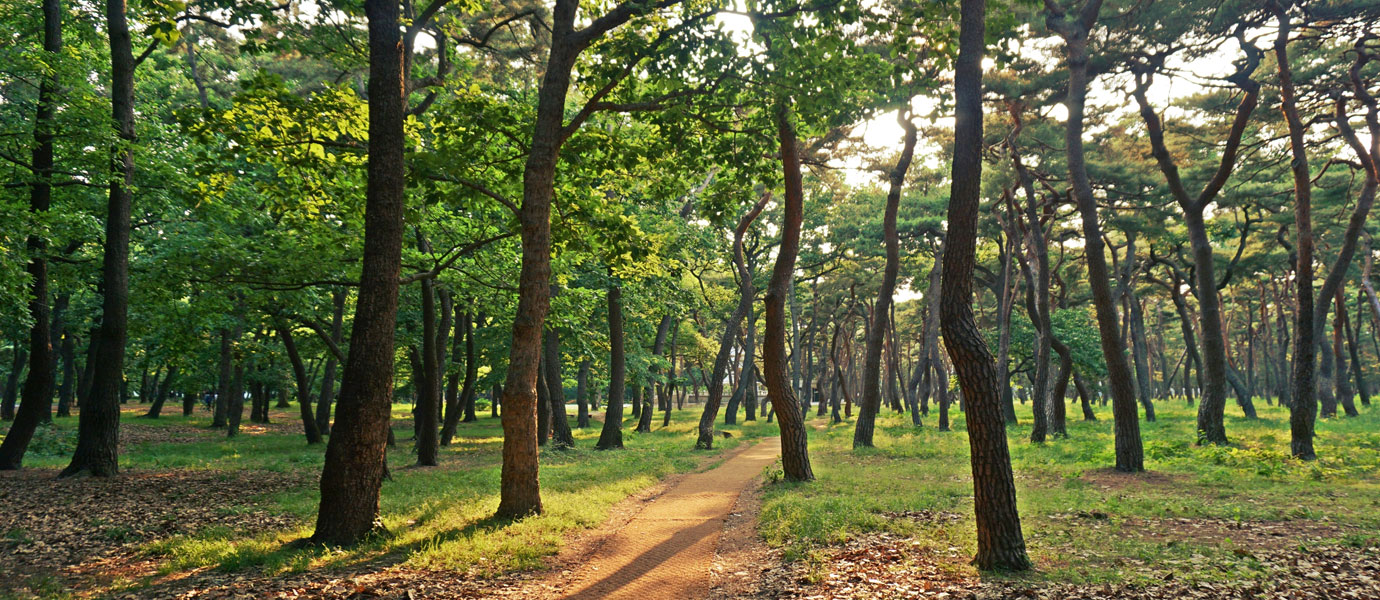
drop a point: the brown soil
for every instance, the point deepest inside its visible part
(667, 550)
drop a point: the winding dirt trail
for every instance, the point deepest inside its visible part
(666, 551)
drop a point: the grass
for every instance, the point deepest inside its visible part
(438, 517)
(1083, 522)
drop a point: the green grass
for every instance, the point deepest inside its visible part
(1082, 521)
(437, 517)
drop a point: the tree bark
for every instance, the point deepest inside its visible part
(323, 406)
(36, 403)
(561, 435)
(98, 429)
(1000, 542)
(705, 438)
(795, 454)
(1303, 409)
(355, 456)
(303, 381)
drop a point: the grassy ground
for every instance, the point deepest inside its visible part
(440, 517)
(1197, 513)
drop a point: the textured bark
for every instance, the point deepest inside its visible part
(611, 436)
(1000, 542)
(1303, 410)
(355, 456)
(795, 454)
(732, 325)
(1129, 451)
(98, 429)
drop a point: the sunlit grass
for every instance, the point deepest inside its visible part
(436, 517)
(1253, 479)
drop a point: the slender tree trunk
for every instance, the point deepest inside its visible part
(582, 394)
(164, 388)
(355, 456)
(323, 407)
(705, 437)
(303, 381)
(795, 454)
(464, 401)
(611, 436)
(428, 409)
(872, 394)
(560, 424)
(1340, 326)
(1129, 452)
(236, 404)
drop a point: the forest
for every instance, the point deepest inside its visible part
(689, 299)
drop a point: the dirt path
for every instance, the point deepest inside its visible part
(666, 551)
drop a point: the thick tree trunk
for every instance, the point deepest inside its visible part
(795, 454)
(355, 456)
(1000, 542)
(1129, 451)
(872, 393)
(98, 429)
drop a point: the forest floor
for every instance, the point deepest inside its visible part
(194, 515)
(1240, 521)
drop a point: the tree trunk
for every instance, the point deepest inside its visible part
(227, 367)
(1340, 326)
(464, 399)
(611, 436)
(164, 388)
(1129, 452)
(323, 406)
(428, 408)
(236, 404)
(872, 393)
(582, 394)
(705, 437)
(795, 454)
(1303, 409)
(303, 381)
(98, 429)
(555, 392)
(355, 456)
(1000, 542)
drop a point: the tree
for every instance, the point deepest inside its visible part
(38, 386)
(1000, 542)
(98, 435)
(1130, 456)
(355, 465)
